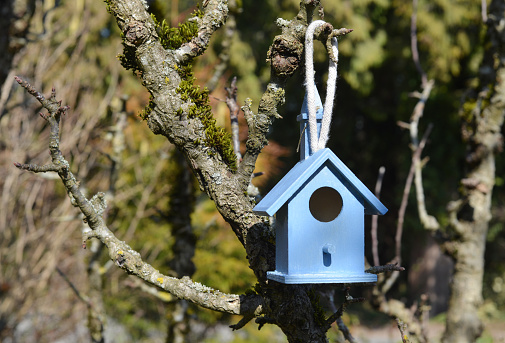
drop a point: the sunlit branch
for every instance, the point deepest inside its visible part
(375, 219)
(121, 253)
(413, 43)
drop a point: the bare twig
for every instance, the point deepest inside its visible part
(231, 101)
(375, 219)
(402, 327)
(264, 320)
(429, 222)
(403, 207)
(413, 43)
(6, 90)
(347, 301)
(224, 56)
(417, 113)
(345, 331)
(81, 296)
(242, 322)
(483, 10)
(416, 158)
(392, 307)
(385, 268)
(413, 128)
(120, 252)
(329, 45)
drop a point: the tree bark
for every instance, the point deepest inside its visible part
(288, 306)
(179, 110)
(482, 116)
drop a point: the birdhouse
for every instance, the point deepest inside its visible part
(319, 208)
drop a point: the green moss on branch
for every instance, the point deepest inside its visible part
(144, 114)
(216, 137)
(174, 37)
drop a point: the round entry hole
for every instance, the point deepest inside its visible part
(325, 204)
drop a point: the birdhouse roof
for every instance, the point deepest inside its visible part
(304, 170)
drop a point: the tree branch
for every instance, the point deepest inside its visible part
(375, 219)
(121, 253)
(386, 268)
(216, 12)
(224, 56)
(231, 102)
(413, 44)
(338, 314)
(395, 308)
(83, 297)
(402, 327)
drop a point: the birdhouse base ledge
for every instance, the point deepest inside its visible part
(320, 278)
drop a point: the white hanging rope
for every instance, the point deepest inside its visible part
(331, 86)
(315, 142)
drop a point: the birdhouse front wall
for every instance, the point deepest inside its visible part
(325, 227)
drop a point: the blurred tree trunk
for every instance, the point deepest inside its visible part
(182, 199)
(482, 116)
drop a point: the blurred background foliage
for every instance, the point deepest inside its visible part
(72, 45)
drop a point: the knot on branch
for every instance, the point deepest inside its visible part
(285, 55)
(136, 33)
(323, 31)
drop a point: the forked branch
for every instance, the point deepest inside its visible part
(121, 253)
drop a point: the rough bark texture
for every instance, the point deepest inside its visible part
(179, 111)
(288, 306)
(482, 116)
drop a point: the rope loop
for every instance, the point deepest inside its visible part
(317, 143)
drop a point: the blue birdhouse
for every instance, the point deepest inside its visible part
(319, 207)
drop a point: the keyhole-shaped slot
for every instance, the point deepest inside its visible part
(328, 250)
(325, 204)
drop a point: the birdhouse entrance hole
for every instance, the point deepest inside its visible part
(325, 204)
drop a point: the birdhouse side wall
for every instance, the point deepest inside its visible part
(281, 240)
